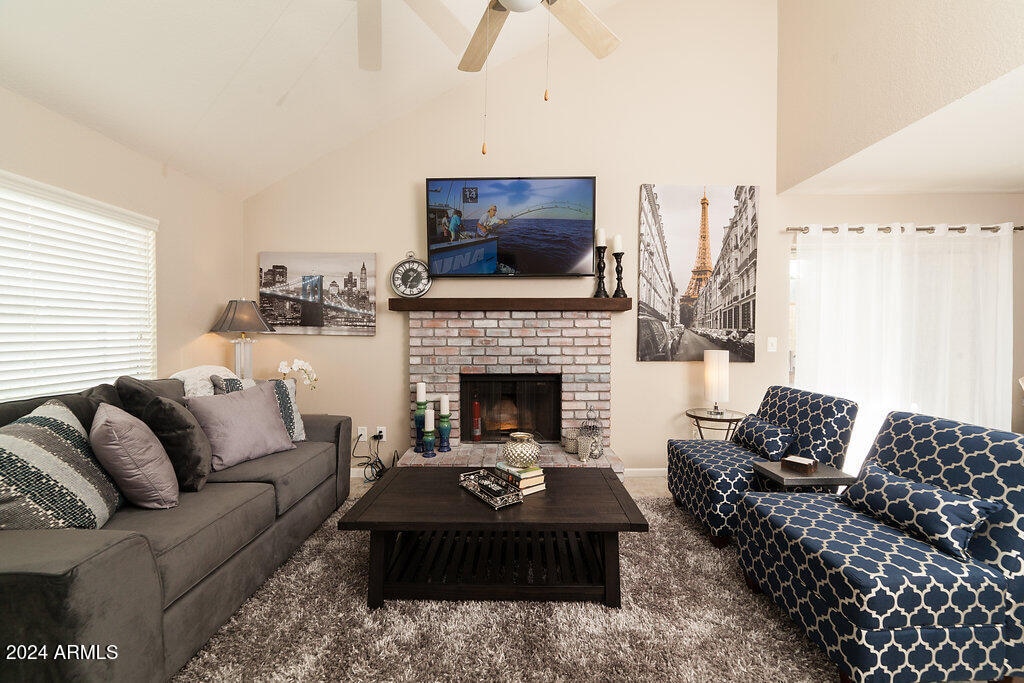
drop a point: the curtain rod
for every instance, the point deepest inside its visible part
(888, 228)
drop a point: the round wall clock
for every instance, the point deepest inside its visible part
(410, 278)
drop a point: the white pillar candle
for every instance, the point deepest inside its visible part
(617, 244)
(444, 405)
(421, 392)
(600, 240)
(428, 420)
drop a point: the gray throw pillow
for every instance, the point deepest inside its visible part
(284, 389)
(132, 455)
(49, 477)
(241, 425)
(183, 439)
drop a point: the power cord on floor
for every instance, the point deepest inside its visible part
(373, 467)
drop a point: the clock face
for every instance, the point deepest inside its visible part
(410, 278)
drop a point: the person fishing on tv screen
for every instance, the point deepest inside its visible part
(489, 221)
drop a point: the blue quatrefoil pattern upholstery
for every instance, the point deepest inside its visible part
(767, 440)
(886, 606)
(709, 477)
(944, 519)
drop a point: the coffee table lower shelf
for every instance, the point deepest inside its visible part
(494, 565)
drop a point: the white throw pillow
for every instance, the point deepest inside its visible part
(197, 380)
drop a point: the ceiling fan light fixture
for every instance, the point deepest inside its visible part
(519, 5)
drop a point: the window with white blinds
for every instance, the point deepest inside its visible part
(77, 291)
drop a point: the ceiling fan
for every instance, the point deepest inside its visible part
(573, 14)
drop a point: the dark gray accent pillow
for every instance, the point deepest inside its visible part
(137, 393)
(132, 455)
(241, 425)
(83, 404)
(49, 477)
(184, 440)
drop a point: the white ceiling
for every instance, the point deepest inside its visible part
(239, 93)
(975, 144)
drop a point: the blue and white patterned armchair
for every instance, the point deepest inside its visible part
(882, 603)
(709, 477)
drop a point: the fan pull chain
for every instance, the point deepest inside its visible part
(487, 31)
(547, 61)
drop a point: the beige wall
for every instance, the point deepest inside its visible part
(799, 210)
(852, 73)
(198, 263)
(689, 98)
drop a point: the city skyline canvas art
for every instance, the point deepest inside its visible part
(319, 293)
(697, 271)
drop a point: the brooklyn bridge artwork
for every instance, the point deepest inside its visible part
(319, 293)
(698, 272)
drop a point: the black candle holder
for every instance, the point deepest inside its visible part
(601, 292)
(619, 293)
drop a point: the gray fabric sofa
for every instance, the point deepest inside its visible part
(156, 584)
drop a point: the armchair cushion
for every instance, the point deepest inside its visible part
(945, 520)
(762, 437)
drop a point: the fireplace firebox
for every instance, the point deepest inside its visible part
(511, 403)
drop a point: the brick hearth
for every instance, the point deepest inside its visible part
(577, 344)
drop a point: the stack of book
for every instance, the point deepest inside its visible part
(528, 479)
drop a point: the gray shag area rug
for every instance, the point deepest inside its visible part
(686, 615)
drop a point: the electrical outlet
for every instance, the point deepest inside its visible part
(384, 432)
(361, 431)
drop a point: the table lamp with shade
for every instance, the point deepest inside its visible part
(241, 315)
(716, 379)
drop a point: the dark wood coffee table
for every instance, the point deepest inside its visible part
(432, 539)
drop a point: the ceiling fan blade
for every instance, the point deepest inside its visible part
(442, 22)
(368, 22)
(585, 25)
(483, 38)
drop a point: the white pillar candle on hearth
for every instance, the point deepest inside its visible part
(428, 420)
(421, 392)
(444, 405)
(600, 240)
(617, 244)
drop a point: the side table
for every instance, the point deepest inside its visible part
(787, 479)
(726, 422)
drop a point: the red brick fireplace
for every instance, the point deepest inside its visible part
(444, 344)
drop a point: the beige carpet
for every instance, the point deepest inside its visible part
(686, 616)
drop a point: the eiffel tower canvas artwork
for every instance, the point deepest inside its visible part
(698, 271)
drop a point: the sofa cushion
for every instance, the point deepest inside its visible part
(242, 425)
(83, 404)
(762, 437)
(943, 519)
(821, 424)
(204, 531)
(136, 394)
(876, 576)
(196, 380)
(284, 391)
(293, 473)
(132, 455)
(184, 440)
(709, 477)
(49, 476)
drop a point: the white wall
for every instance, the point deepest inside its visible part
(688, 98)
(852, 73)
(198, 261)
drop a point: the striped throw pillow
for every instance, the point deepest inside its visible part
(49, 477)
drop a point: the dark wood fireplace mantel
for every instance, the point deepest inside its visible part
(510, 304)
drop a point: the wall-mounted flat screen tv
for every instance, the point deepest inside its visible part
(506, 227)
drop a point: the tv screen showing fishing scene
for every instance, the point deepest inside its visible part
(531, 227)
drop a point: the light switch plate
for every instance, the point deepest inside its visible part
(773, 344)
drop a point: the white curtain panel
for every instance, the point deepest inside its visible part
(905, 320)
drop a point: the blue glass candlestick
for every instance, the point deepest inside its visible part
(428, 444)
(444, 429)
(418, 417)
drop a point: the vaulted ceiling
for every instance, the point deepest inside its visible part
(239, 93)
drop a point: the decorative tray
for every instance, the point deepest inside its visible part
(490, 489)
